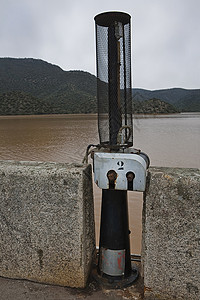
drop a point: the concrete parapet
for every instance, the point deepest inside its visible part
(46, 222)
(171, 234)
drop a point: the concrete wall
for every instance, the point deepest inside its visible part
(46, 222)
(47, 227)
(171, 234)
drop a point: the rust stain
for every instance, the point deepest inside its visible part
(119, 260)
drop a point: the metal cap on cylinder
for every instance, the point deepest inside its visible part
(108, 18)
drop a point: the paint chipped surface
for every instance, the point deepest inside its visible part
(113, 262)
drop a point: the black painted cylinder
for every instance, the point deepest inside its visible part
(114, 244)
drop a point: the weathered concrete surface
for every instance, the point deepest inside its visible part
(171, 235)
(46, 222)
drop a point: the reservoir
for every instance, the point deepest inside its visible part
(169, 141)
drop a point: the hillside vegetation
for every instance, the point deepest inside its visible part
(153, 106)
(20, 103)
(182, 99)
(33, 86)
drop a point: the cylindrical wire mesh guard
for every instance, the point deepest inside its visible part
(114, 93)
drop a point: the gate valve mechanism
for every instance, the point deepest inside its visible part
(117, 166)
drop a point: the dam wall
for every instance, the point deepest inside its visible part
(46, 222)
(171, 234)
(47, 231)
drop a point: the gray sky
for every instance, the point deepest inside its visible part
(165, 36)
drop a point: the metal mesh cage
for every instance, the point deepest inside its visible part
(114, 93)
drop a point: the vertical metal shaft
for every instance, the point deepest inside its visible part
(115, 121)
(125, 92)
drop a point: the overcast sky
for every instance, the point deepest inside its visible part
(165, 36)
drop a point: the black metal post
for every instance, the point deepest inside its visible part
(114, 230)
(114, 265)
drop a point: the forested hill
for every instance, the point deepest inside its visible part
(35, 86)
(182, 99)
(64, 91)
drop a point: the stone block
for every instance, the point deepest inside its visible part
(46, 222)
(171, 234)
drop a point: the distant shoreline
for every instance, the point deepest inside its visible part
(92, 116)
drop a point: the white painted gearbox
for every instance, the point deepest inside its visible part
(123, 164)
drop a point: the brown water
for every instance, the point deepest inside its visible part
(169, 140)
